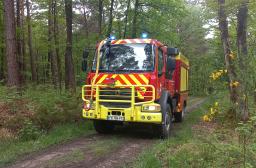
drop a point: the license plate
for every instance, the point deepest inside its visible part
(115, 118)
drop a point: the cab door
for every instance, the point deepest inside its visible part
(161, 72)
(170, 84)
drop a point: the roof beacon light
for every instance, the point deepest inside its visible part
(112, 37)
(144, 35)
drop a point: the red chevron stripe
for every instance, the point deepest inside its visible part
(99, 77)
(120, 80)
(123, 42)
(130, 80)
(139, 79)
(114, 42)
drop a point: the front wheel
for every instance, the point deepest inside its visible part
(103, 127)
(164, 129)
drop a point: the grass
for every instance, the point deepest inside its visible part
(201, 145)
(182, 133)
(12, 149)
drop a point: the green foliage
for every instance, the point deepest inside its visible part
(197, 144)
(42, 105)
(29, 131)
(52, 107)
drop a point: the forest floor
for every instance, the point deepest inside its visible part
(119, 149)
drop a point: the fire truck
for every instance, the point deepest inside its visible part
(135, 81)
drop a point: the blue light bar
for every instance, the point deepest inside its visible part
(144, 35)
(112, 37)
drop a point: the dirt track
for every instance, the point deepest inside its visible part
(96, 151)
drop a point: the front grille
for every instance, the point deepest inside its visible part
(116, 105)
(115, 93)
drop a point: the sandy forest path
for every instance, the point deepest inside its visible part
(95, 150)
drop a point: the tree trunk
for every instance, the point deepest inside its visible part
(13, 76)
(51, 46)
(56, 39)
(223, 26)
(110, 18)
(1, 63)
(126, 18)
(254, 94)
(1, 47)
(23, 61)
(19, 36)
(69, 66)
(243, 54)
(85, 21)
(119, 29)
(100, 16)
(134, 26)
(48, 66)
(31, 54)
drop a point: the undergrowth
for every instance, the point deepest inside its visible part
(36, 109)
(37, 117)
(199, 144)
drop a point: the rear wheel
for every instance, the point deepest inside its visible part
(179, 116)
(103, 127)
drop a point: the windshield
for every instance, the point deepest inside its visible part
(126, 57)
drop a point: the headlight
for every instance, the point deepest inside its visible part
(151, 108)
(88, 106)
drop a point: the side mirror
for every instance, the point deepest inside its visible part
(171, 64)
(173, 52)
(84, 60)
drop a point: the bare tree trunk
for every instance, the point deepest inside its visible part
(1, 63)
(23, 61)
(126, 18)
(13, 76)
(69, 66)
(56, 39)
(243, 54)
(110, 18)
(134, 26)
(31, 54)
(119, 29)
(85, 18)
(19, 36)
(51, 46)
(100, 16)
(50, 52)
(1, 47)
(254, 94)
(223, 26)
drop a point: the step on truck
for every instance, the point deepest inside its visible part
(135, 81)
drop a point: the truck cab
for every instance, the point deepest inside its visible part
(136, 81)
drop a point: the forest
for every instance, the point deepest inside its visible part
(41, 53)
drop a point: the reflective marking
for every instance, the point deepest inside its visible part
(102, 79)
(125, 80)
(144, 78)
(135, 79)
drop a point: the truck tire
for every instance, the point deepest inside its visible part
(103, 127)
(166, 125)
(164, 130)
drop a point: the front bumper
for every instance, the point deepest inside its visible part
(138, 115)
(122, 95)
